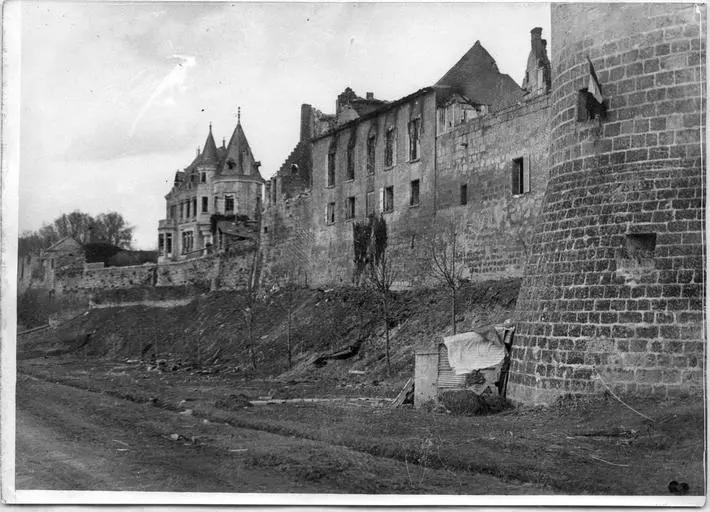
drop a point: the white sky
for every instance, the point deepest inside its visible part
(117, 96)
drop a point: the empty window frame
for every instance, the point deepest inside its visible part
(331, 168)
(350, 208)
(520, 176)
(187, 209)
(194, 207)
(414, 132)
(187, 241)
(464, 194)
(388, 199)
(370, 203)
(168, 244)
(414, 193)
(371, 146)
(228, 204)
(161, 243)
(390, 147)
(203, 177)
(205, 204)
(350, 169)
(330, 213)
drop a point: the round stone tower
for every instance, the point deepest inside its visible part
(614, 285)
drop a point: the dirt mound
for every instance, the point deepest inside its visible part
(467, 403)
(326, 325)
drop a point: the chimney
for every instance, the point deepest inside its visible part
(370, 95)
(306, 122)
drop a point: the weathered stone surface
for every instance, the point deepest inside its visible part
(592, 302)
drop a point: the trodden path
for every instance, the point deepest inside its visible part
(73, 439)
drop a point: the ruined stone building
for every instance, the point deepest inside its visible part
(220, 183)
(470, 149)
(587, 181)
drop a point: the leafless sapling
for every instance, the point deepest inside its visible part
(446, 264)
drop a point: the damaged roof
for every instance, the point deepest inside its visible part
(477, 77)
(235, 230)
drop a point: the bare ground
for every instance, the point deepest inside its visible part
(70, 438)
(74, 415)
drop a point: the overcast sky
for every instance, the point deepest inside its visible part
(117, 96)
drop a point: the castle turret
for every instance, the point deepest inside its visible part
(613, 289)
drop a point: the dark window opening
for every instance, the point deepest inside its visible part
(194, 207)
(266, 229)
(414, 193)
(640, 245)
(414, 129)
(203, 177)
(294, 169)
(187, 209)
(331, 168)
(371, 144)
(351, 164)
(464, 194)
(330, 213)
(350, 208)
(370, 203)
(161, 243)
(389, 147)
(205, 204)
(168, 243)
(228, 204)
(231, 164)
(388, 200)
(520, 176)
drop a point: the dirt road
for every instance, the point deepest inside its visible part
(69, 438)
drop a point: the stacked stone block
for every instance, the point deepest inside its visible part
(614, 288)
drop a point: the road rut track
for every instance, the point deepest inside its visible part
(315, 463)
(404, 455)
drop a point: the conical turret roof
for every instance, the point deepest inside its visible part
(239, 158)
(209, 153)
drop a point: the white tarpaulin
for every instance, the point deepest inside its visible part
(471, 351)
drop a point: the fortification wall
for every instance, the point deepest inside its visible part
(230, 271)
(117, 277)
(287, 241)
(496, 223)
(613, 286)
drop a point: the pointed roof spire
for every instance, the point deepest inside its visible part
(209, 154)
(239, 158)
(239, 115)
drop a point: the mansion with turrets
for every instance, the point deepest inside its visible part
(221, 182)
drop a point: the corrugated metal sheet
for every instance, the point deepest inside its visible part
(446, 378)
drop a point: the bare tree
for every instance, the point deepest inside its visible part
(380, 273)
(446, 264)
